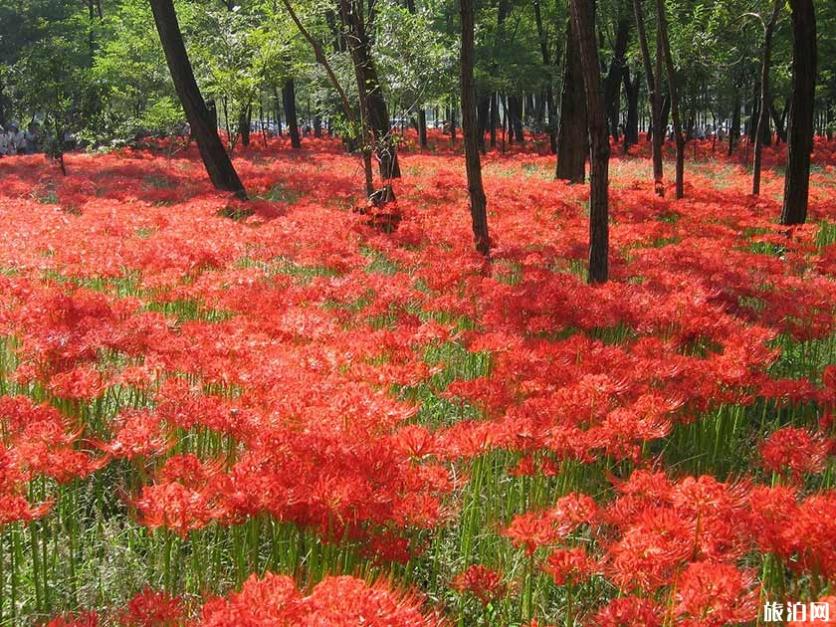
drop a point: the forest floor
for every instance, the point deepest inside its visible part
(198, 392)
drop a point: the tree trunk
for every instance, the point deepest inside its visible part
(572, 137)
(483, 112)
(547, 72)
(494, 119)
(422, 127)
(369, 88)
(664, 43)
(654, 91)
(317, 126)
(800, 135)
(734, 130)
(612, 84)
(244, 120)
(779, 120)
(584, 22)
(478, 203)
(516, 113)
(218, 165)
(289, 101)
(631, 90)
(763, 118)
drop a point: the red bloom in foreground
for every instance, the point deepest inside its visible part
(482, 582)
(796, 450)
(569, 565)
(629, 612)
(709, 594)
(335, 601)
(151, 608)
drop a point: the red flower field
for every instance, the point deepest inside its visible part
(290, 412)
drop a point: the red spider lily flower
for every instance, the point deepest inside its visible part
(338, 601)
(15, 508)
(482, 582)
(79, 619)
(714, 594)
(138, 433)
(652, 550)
(629, 612)
(795, 450)
(531, 530)
(570, 566)
(152, 608)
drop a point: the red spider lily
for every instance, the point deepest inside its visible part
(482, 582)
(714, 594)
(629, 611)
(151, 608)
(569, 565)
(795, 450)
(334, 601)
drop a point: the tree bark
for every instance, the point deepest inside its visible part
(631, 90)
(547, 71)
(664, 43)
(800, 135)
(572, 137)
(369, 87)
(289, 102)
(584, 22)
(473, 166)
(763, 118)
(734, 130)
(612, 83)
(653, 82)
(215, 158)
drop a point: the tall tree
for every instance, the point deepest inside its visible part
(473, 165)
(653, 89)
(612, 83)
(368, 86)
(289, 102)
(800, 135)
(583, 18)
(663, 43)
(763, 117)
(215, 158)
(572, 136)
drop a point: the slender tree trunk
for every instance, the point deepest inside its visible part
(572, 137)
(800, 136)
(734, 130)
(422, 127)
(317, 126)
(478, 203)
(763, 118)
(653, 89)
(215, 158)
(612, 83)
(584, 21)
(483, 112)
(494, 119)
(516, 113)
(244, 121)
(547, 71)
(662, 31)
(369, 87)
(631, 90)
(289, 102)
